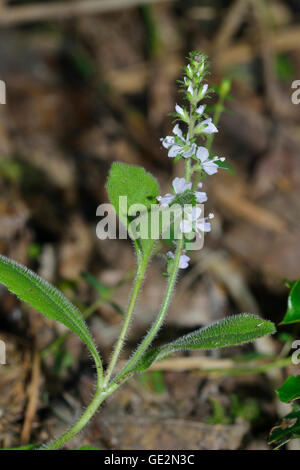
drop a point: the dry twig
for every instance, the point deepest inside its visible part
(33, 395)
(230, 24)
(58, 10)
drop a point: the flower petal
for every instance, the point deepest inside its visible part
(202, 226)
(192, 213)
(200, 109)
(185, 226)
(191, 151)
(190, 89)
(200, 197)
(179, 110)
(184, 262)
(202, 154)
(210, 167)
(180, 185)
(175, 150)
(204, 90)
(209, 128)
(168, 141)
(166, 199)
(177, 131)
(207, 227)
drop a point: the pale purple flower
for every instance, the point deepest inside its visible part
(168, 141)
(165, 200)
(195, 221)
(180, 185)
(183, 261)
(190, 89)
(201, 224)
(209, 128)
(201, 196)
(203, 91)
(177, 131)
(208, 164)
(175, 148)
(191, 215)
(179, 110)
(200, 109)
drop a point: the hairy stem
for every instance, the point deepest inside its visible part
(160, 318)
(127, 319)
(101, 391)
(98, 398)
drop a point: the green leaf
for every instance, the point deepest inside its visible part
(134, 182)
(87, 448)
(284, 68)
(63, 360)
(290, 390)
(231, 331)
(293, 309)
(138, 186)
(102, 289)
(25, 447)
(218, 413)
(45, 298)
(117, 308)
(225, 166)
(288, 428)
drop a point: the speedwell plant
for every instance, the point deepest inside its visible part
(190, 141)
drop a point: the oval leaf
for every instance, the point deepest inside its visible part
(138, 186)
(133, 182)
(231, 331)
(290, 390)
(293, 310)
(45, 298)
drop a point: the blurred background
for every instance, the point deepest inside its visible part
(89, 82)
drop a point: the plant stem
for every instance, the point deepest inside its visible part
(79, 425)
(101, 393)
(127, 319)
(188, 169)
(98, 398)
(172, 280)
(160, 318)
